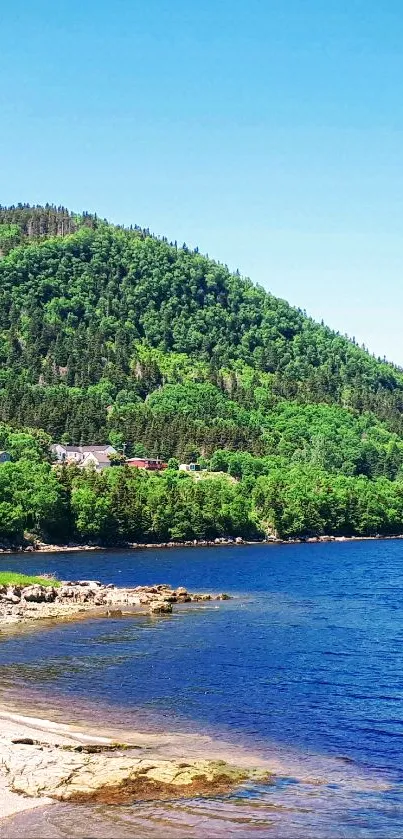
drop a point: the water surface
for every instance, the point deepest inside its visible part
(305, 662)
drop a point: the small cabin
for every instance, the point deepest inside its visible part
(150, 463)
(5, 457)
(190, 467)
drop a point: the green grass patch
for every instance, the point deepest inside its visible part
(10, 578)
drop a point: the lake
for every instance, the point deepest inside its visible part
(305, 663)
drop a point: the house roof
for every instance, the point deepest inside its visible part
(143, 460)
(66, 448)
(95, 449)
(146, 459)
(99, 456)
(85, 449)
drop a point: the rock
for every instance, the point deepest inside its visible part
(34, 594)
(223, 597)
(91, 583)
(65, 591)
(99, 601)
(37, 601)
(11, 596)
(39, 594)
(114, 613)
(239, 540)
(161, 608)
(39, 769)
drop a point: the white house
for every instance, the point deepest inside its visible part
(77, 454)
(96, 460)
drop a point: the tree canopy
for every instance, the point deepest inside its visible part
(109, 333)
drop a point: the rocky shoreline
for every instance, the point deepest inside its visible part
(43, 547)
(25, 603)
(38, 766)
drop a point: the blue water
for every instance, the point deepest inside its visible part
(307, 657)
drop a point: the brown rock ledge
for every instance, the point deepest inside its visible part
(22, 604)
(114, 775)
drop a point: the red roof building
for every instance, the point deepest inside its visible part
(153, 464)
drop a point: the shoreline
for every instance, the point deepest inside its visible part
(43, 762)
(26, 604)
(43, 547)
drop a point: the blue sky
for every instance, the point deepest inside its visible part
(268, 132)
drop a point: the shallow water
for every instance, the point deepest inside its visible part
(304, 664)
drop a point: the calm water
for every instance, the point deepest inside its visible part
(306, 663)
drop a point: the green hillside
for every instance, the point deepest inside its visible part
(113, 334)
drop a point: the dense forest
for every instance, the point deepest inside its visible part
(108, 333)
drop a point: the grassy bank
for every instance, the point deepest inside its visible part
(10, 578)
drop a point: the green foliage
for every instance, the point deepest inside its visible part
(11, 521)
(306, 501)
(10, 235)
(95, 321)
(130, 505)
(37, 497)
(10, 578)
(29, 443)
(113, 334)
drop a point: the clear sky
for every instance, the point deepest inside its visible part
(267, 132)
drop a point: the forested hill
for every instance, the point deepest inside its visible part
(103, 316)
(111, 334)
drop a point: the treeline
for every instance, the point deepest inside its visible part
(258, 497)
(304, 501)
(117, 506)
(123, 505)
(196, 420)
(23, 222)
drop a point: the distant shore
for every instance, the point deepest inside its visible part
(43, 547)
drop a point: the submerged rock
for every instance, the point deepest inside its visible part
(163, 608)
